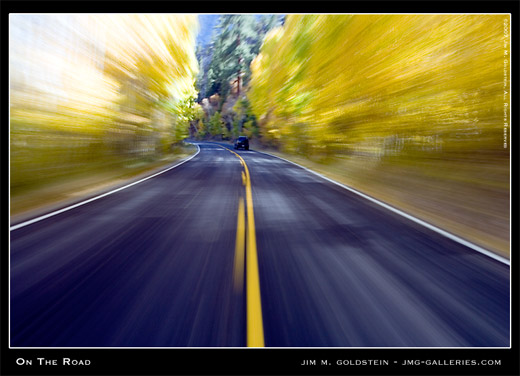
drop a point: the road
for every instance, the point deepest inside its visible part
(234, 249)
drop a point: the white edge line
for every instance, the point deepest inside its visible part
(41, 218)
(407, 216)
(226, 348)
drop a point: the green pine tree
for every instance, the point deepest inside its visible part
(237, 40)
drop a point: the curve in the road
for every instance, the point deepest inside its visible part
(156, 266)
(255, 330)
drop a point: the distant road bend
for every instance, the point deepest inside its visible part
(239, 248)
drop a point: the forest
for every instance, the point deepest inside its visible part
(329, 86)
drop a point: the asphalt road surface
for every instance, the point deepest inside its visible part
(244, 249)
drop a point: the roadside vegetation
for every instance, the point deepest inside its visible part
(96, 97)
(410, 109)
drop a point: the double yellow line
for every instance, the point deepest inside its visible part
(255, 329)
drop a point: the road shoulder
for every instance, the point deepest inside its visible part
(72, 191)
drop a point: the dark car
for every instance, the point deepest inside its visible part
(242, 142)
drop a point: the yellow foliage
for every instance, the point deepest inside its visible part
(99, 84)
(367, 78)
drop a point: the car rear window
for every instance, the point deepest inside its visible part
(242, 138)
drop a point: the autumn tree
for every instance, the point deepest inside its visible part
(96, 90)
(381, 84)
(153, 66)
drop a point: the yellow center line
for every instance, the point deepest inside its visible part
(238, 280)
(255, 327)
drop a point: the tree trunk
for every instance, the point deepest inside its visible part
(238, 84)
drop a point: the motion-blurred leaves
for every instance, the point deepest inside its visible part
(381, 84)
(96, 88)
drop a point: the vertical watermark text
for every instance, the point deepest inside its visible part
(507, 55)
